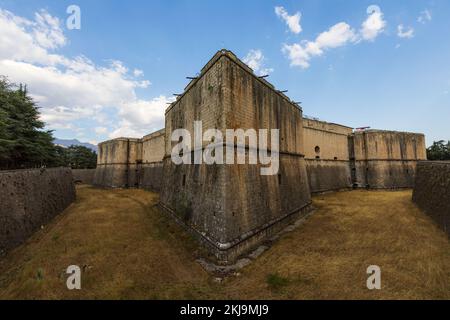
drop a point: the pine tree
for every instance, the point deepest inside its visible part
(439, 151)
(23, 141)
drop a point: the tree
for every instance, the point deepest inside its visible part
(80, 157)
(23, 141)
(439, 151)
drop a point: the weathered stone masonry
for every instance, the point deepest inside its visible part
(386, 159)
(131, 163)
(338, 158)
(84, 176)
(327, 155)
(432, 191)
(30, 199)
(232, 208)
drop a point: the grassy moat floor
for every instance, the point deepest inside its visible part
(128, 249)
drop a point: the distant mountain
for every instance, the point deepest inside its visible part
(74, 142)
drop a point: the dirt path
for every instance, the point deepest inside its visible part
(129, 250)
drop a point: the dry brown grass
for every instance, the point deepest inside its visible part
(130, 250)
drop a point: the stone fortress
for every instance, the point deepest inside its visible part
(232, 208)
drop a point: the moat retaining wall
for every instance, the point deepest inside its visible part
(151, 176)
(328, 175)
(30, 199)
(84, 176)
(432, 191)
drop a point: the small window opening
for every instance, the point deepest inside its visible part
(184, 180)
(279, 179)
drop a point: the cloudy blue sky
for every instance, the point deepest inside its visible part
(383, 64)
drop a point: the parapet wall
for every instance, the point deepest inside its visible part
(84, 176)
(325, 141)
(30, 199)
(327, 155)
(432, 191)
(153, 147)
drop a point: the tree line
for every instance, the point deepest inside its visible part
(440, 150)
(24, 143)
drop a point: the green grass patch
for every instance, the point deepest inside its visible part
(276, 282)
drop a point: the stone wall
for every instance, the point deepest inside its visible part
(117, 163)
(151, 176)
(153, 147)
(386, 159)
(131, 163)
(432, 191)
(233, 207)
(385, 174)
(84, 176)
(30, 199)
(328, 175)
(327, 155)
(326, 141)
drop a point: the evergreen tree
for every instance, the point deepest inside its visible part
(23, 142)
(439, 151)
(80, 157)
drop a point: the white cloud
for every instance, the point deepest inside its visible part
(255, 60)
(101, 130)
(71, 89)
(405, 33)
(47, 31)
(138, 73)
(338, 35)
(25, 40)
(293, 22)
(374, 24)
(424, 17)
(141, 117)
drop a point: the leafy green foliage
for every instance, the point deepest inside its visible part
(23, 141)
(79, 157)
(439, 151)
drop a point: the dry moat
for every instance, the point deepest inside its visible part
(129, 249)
